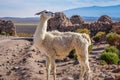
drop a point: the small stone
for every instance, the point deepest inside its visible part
(116, 70)
(117, 77)
(8, 73)
(41, 72)
(0, 75)
(15, 68)
(109, 78)
(59, 73)
(66, 59)
(68, 78)
(102, 75)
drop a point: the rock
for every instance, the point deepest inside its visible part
(62, 23)
(106, 76)
(41, 72)
(117, 77)
(116, 27)
(105, 19)
(76, 19)
(8, 73)
(102, 75)
(59, 22)
(109, 78)
(116, 70)
(0, 75)
(66, 59)
(68, 78)
(7, 28)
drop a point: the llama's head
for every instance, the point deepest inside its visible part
(46, 14)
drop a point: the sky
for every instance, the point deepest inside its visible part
(27, 8)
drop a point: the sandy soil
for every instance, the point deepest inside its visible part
(18, 63)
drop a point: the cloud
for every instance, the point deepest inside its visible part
(29, 7)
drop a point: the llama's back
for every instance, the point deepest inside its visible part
(72, 35)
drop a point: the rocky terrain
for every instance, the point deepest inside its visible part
(7, 27)
(17, 62)
(62, 23)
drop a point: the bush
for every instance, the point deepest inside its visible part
(90, 48)
(85, 30)
(109, 58)
(112, 49)
(112, 38)
(119, 62)
(3, 33)
(24, 35)
(103, 62)
(100, 36)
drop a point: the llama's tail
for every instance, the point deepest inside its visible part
(87, 37)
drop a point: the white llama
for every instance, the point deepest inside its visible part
(57, 45)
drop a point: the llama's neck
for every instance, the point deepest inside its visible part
(41, 30)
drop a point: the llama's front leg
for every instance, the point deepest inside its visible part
(53, 68)
(48, 67)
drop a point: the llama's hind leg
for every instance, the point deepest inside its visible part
(83, 59)
(83, 69)
(87, 76)
(48, 67)
(86, 62)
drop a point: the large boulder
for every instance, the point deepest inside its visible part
(7, 27)
(116, 27)
(76, 19)
(99, 26)
(105, 18)
(59, 22)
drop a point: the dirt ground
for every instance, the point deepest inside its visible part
(18, 63)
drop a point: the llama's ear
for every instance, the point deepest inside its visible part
(38, 13)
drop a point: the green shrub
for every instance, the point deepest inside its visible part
(100, 36)
(3, 33)
(112, 38)
(112, 49)
(119, 62)
(24, 35)
(85, 30)
(103, 62)
(109, 57)
(90, 48)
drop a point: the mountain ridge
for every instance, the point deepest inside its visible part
(95, 11)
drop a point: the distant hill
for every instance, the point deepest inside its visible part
(95, 11)
(17, 20)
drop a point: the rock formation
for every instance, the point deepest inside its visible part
(116, 27)
(59, 22)
(105, 18)
(76, 19)
(7, 27)
(62, 23)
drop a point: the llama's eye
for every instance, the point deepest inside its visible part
(46, 12)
